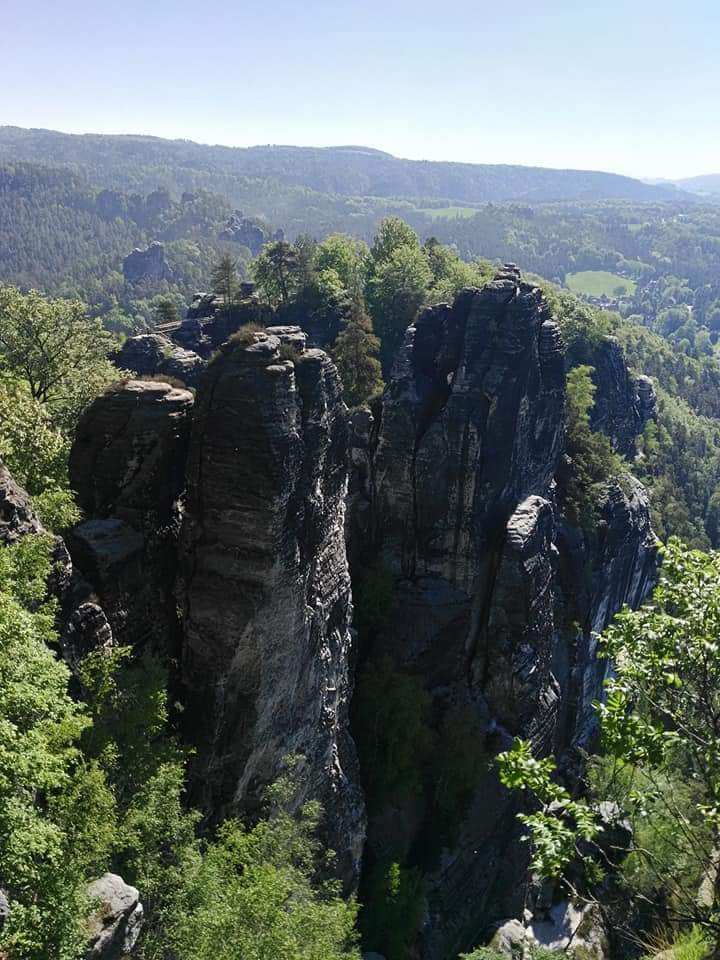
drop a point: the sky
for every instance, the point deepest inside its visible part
(631, 87)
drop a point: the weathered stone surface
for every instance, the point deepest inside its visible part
(291, 336)
(572, 930)
(150, 354)
(490, 582)
(86, 630)
(17, 518)
(128, 457)
(209, 323)
(623, 404)
(472, 424)
(127, 465)
(266, 594)
(597, 576)
(117, 921)
(147, 265)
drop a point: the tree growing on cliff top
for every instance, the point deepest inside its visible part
(224, 279)
(355, 353)
(660, 726)
(279, 271)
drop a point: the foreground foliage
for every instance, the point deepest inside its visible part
(660, 725)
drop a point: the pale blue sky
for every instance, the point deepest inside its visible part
(631, 86)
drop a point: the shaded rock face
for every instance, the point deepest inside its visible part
(147, 265)
(150, 354)
(265, 586)
(127, 466)
(17, 518)
(495, 596)
(623, 404)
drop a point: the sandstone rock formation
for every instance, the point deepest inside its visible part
(147, 265)
(623, 404)
(151, 354)
(496, 596)
(209, 323)
(17, 518)
(127, 466)
(250, 232)
(266, 590)
(236, 511)
(117, 921)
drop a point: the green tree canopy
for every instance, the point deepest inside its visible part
(355, 353)
(660, 726)
(55, 348)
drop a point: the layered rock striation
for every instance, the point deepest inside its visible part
(265, 587)
(496, 596)
(127, 467)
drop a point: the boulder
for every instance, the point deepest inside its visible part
(151, 354)
(117, 920)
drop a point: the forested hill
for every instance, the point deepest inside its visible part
(143, 163)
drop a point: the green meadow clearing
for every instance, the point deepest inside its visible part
(598, 283)
(448, 213)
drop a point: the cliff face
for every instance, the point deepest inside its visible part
(232, 515)
(266, 590)
(218, 528)
(623, 404)
(495, 596)
(127, 466)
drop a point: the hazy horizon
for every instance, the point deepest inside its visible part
(629, 90)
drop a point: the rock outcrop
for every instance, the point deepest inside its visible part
(127, 466)
(117, 920)
(623, 404)
(148, 265)
(218, 530)
(265, 586)
(17, 518)
(152, 355)
(496, 596)
(209, 323)
(250, 232)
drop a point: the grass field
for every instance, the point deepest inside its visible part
(448, 213)
(598, 283)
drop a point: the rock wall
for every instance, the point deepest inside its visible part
(496, 596)
(127, 466)
(266, 591)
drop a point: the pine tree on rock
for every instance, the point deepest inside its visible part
(356, 355)
(225, 282)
